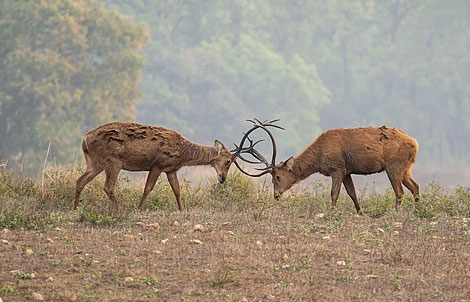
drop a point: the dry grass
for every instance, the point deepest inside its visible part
(253, 247)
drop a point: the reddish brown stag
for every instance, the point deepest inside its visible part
(338, 153)
(135, 147)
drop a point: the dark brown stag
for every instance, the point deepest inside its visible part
(135, 147)
(338, 153)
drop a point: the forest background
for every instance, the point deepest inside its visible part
(204, 67)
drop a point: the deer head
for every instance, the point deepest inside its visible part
(222, 161)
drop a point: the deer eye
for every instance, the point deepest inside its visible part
(228, 161)
(278, 178)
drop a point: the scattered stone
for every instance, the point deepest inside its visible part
(155, 226)
(398, 225)
(32, 275)
(322, 226)
(139, 223)
(96, 261)
(37, 297)
(29, 252)
(259, 243)
(380, 230)
(5, 241)
(433, 223)
(157, 252)
(198, 228)
(282, 237)
(15, 272)
(395, 232)
(285, 257)
(340, 262)
(50, 240)
(128, 279)
(231, 233)
(195, 241)
(130, 237)
(372, 276)
(50, 279)
(5, 231)
(270, 297)
(225, 223)
(243, 299)
(285, 265)
(58, 229)
(69, 296)
(176, 223)
(320, 215)
(367, 251)
(326, 237)
(164, 241)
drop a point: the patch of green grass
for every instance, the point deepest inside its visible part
(149, 281)
(24, 276)
(8, 289)
(222, 278)
(41, 205)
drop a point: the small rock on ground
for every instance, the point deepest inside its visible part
(37, 297)
(195, 241)
(198, 228)
(128, 279)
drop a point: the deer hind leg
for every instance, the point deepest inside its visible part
(396, 179)
(349, 185)
(175, 186)
(336, 180)
(151, 180)
(411, 184)
(112, 173)
(83, 180)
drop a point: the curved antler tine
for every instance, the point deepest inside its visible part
(259, 122)
(251, 121)
(252, 175)
(250, 161)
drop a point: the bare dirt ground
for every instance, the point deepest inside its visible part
(276, 254)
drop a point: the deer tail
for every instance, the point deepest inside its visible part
(85, 144)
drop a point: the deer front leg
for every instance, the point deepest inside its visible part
(151, 180)
(175, 186)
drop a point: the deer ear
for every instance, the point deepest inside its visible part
(290, 163)
(218, 146)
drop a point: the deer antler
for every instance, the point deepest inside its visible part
(252, 151)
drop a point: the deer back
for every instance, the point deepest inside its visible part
(138, 147)
(358, 150)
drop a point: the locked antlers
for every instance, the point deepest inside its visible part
(241, 149)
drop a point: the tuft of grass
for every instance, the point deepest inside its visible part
(44, 204)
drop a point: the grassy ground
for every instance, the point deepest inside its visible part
(250, 247)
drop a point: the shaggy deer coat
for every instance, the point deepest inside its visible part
(338, 153)
(134, 147)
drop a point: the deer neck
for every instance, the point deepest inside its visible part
(306, 163)
(198, 155)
